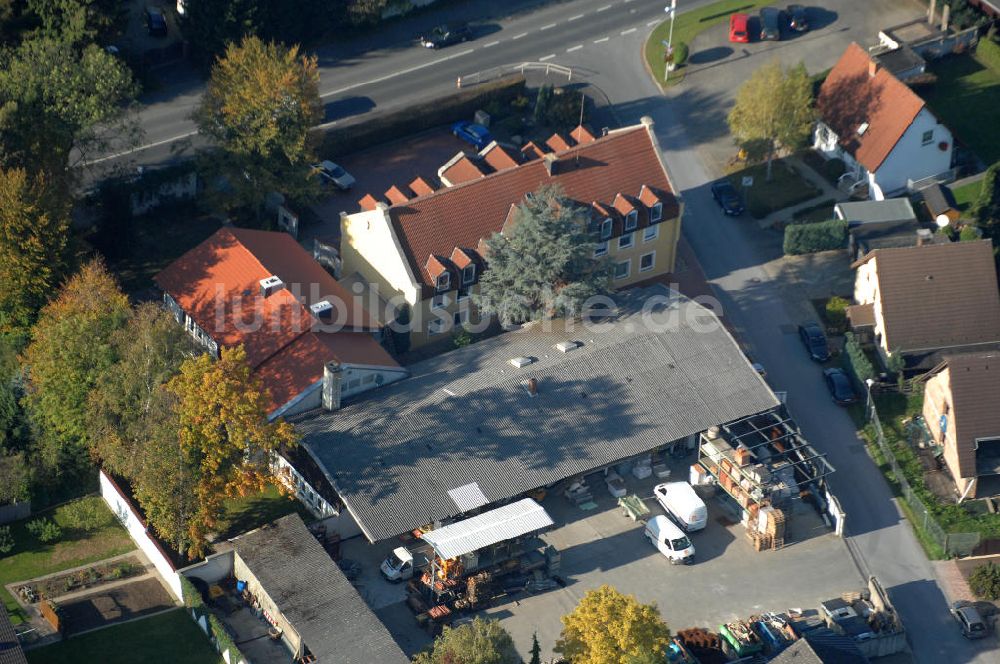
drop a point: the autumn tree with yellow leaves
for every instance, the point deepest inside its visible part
(607, 627)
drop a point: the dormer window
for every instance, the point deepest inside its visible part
(468, 274)
(605, 229)
(631, 220)
(655, 213)
(444, 281)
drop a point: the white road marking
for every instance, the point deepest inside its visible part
(604, 8)
(574, 48)
(523, 34)
(628, 32)
(546, 27)
(492, 43)
(547, 57)
(394, 74)
(142, 147)
(601, 40)
(574, 18)
(653, 22)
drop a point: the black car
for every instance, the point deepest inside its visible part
(840, 388)
(815, 341)
(727, 197)
(156, 22)
(797, 17)
(446, 35)
(770, 24)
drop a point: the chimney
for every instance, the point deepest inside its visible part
(270, 285)
(945, 15)
(872, 67)
(931, 12)
(532, 385)
(333, 376)
(550, 163)
(923, 236)
(646, 121)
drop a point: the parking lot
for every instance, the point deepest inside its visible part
(727, 580)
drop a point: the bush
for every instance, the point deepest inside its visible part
(44, 530)
(985, 582)
(810, 238)
(563, 112)
(542, 102)
(461, 338)
(855, 360)
(836, 313)
(987, 206)
(969, 233)
(680, 53)
(87, 514)
(6, 540)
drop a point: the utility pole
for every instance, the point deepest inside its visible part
(668, 56)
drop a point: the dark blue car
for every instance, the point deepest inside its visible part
(473, 133)
(815, 341)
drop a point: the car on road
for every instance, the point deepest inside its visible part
(797, 18)
(770, 24)
(446, 35)
(839, 385)
(334, 174)
(156, 22)
(473, 133)
(815, 341)
(727, 197)
(739, 28)
(970, 620)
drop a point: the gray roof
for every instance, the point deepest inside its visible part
(315, 596)
(10, 649)
(867, 212)
(498, 525)
(822, 646)
(638, 382)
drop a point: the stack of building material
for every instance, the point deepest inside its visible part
(643, 468)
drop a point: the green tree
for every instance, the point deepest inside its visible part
(34, 227)
(985, 582)
(544, 264)
(225, 439)
(478, 642)
(773, 108)
(986, 209)
(211, 25)
(261, 102)
(70, 349)
(56, 100)
(78, 21)
(607, 627)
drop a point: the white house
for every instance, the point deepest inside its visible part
(881, 129)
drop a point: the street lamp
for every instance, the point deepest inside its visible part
(668, 56)
(868, 404)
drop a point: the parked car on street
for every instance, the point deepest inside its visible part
(815, 341)
(770, 24)
(446, 35)
(839, 385)
(970, 620)
(473, 133)
(334, 174)
(727, 197)
(156, 22)
(797, 18)
(739, 28)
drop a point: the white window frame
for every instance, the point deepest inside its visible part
(628, 269)
(656, 213)
(468, 274)
(626, 241)
(927, 137)
(631, 220)
(601, 249)
(650, 233)
(443, 282)
(439, 301)
(606, 229)
(652, 264)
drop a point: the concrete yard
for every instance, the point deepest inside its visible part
(728, 579)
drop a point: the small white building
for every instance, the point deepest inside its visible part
(882, 130)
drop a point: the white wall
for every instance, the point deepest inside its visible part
(913, 160)
(866, 291)
(138, 531)
(213, 569)
(369, 246)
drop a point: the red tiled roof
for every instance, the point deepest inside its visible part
(850, 97)
(648, 197)
(218, 285)
(581, 135)
(557, 143)
(435, 266)
(531, 150)
(461, 258)
(623, 204)
(368, 203)
(395, 195)
(461, 170)
(622, 161)
(421, 187)
(497, 157)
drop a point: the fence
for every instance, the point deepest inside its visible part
(953, 544)
(506, 70)
(943, 177)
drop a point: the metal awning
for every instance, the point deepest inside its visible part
(504, 523)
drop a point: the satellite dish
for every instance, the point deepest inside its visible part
(942, 220)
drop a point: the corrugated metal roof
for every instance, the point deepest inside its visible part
(315, 596)
(873, 212)
(641, 381)
(504, 523)
(10, 649)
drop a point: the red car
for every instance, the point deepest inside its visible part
(739, 29)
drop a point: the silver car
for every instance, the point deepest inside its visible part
(970, 620)
(331, 172)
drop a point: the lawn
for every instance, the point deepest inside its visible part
(785, 189)
(687, 25)
(967, 194)
(102, 538)
(822, 211)
(243, 514)
(966, 97)
(166, 638)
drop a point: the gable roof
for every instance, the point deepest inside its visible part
(643, 380)
(937, 295)
(850, 97)
(458, 170)
(311, 591)
(217, 284)
(974, 380)
(620, 163)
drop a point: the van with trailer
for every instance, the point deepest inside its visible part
(682, 503)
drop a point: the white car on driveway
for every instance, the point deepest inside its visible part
(331, 172)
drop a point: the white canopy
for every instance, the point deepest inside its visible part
(504, 523)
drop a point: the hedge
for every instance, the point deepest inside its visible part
(856, 362)
(810, 238)
(217, 632)
(383, 127)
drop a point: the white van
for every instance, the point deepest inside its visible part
(681, 502)
(669, 540)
